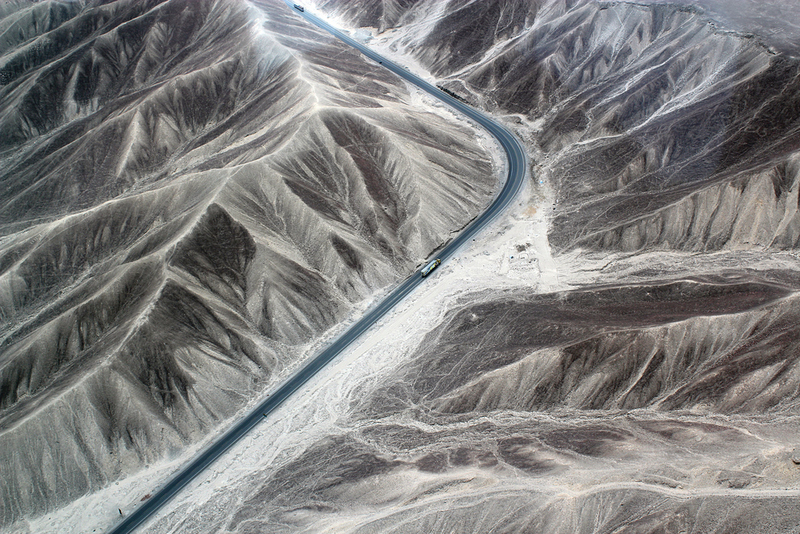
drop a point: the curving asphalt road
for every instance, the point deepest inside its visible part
(514, 181)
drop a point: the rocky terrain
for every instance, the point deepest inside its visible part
(192, 194)
(620, 353)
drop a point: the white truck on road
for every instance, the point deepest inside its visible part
(430, 267)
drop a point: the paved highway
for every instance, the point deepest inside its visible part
(514, 180)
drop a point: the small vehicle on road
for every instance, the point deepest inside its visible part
(299, 8)
(430, 267)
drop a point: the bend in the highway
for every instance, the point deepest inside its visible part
(515, 178)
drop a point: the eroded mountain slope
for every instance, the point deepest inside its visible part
(192, 192)
(654, 387)
(651, 122)
(663, 406)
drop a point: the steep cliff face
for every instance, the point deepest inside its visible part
(191, 192)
